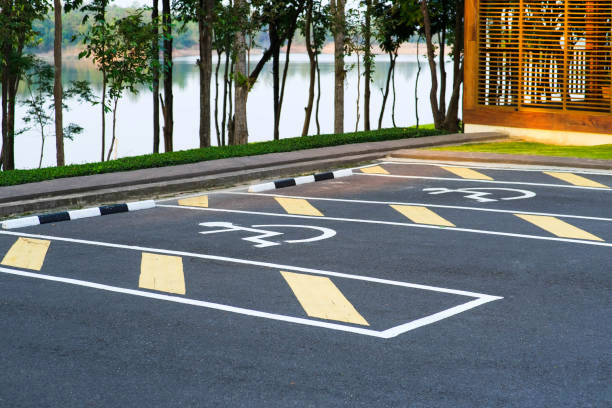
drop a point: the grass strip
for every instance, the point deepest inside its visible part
(13, 177)
(537, 149)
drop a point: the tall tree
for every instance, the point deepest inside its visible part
(205, 30)
(338, 28)
(95, 44)
(314, 28)
(368, 66)
(168, 98)
(240, 133)
(444, 18)
(394, 26)
(155, 73)
(57, 85)
(16, 18)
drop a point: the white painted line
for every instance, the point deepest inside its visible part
(256, 188)
(400, 224)
(201, 303)
(481, 166)
(21, 222)
(484, 181)
(454, 207)
(84, 213)
(141, 205)
(436, 317)
(304, 180)
(246, 262)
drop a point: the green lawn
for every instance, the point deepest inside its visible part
(540, 149)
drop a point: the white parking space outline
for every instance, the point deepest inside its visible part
(478, 299)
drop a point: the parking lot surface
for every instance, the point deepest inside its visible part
(403, 284)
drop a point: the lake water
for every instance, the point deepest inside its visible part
(134, 120)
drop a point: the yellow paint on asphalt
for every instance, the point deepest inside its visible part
(162, 272)
(320, 298)
(422, 215)
(575, 179)
(558, 227)
(374, 170)
(199, 201)
(298, 206)
(466, 173)
(27, 253)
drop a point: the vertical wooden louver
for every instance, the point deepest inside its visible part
(545, 55)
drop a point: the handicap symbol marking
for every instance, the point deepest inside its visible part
(262, 234)
(479, 194)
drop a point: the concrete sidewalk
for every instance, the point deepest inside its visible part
(131, 185)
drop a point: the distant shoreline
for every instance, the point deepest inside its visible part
(405, 49)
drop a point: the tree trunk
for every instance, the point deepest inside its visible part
(225, 77)
(168, 96)
(367, 64)
(113, 140)
(337, 10)
(386, 93)
(241, 93)
(155, 72)
(433, 93)
(311, 59)
(205, 17)
(318, 94)
(217, 98)
(358, 93)
(275, 46)
(451, 121)
(393, 90)
(5, 139)
(284, 80)
(103, 114)
(57, 84)
(416, 83)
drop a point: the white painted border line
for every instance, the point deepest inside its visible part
(522, 183)
(76, 214)
(385, 334)
(256, 188)
(453, 207)
(400, 224)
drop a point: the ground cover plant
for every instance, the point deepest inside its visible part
(13, 177)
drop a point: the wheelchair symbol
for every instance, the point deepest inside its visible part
(260, 239)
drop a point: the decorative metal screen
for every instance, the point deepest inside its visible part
(545, 54)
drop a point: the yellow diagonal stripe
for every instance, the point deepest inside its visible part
(374, 170)
(27, 253)
(298, 206)
(322, 299)
(199, 201)
(422, 215)
(466, 173)
(162, 272)
(575, 179)
(558, 227)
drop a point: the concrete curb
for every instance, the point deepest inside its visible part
(552, 161)
(76, 214)
(330, 175)
(139, 184)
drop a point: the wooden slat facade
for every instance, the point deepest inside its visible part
(540, 64)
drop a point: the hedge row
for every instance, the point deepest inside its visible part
(13, 177)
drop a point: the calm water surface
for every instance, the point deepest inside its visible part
(135, 128)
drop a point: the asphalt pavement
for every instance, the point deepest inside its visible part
(406, 284)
